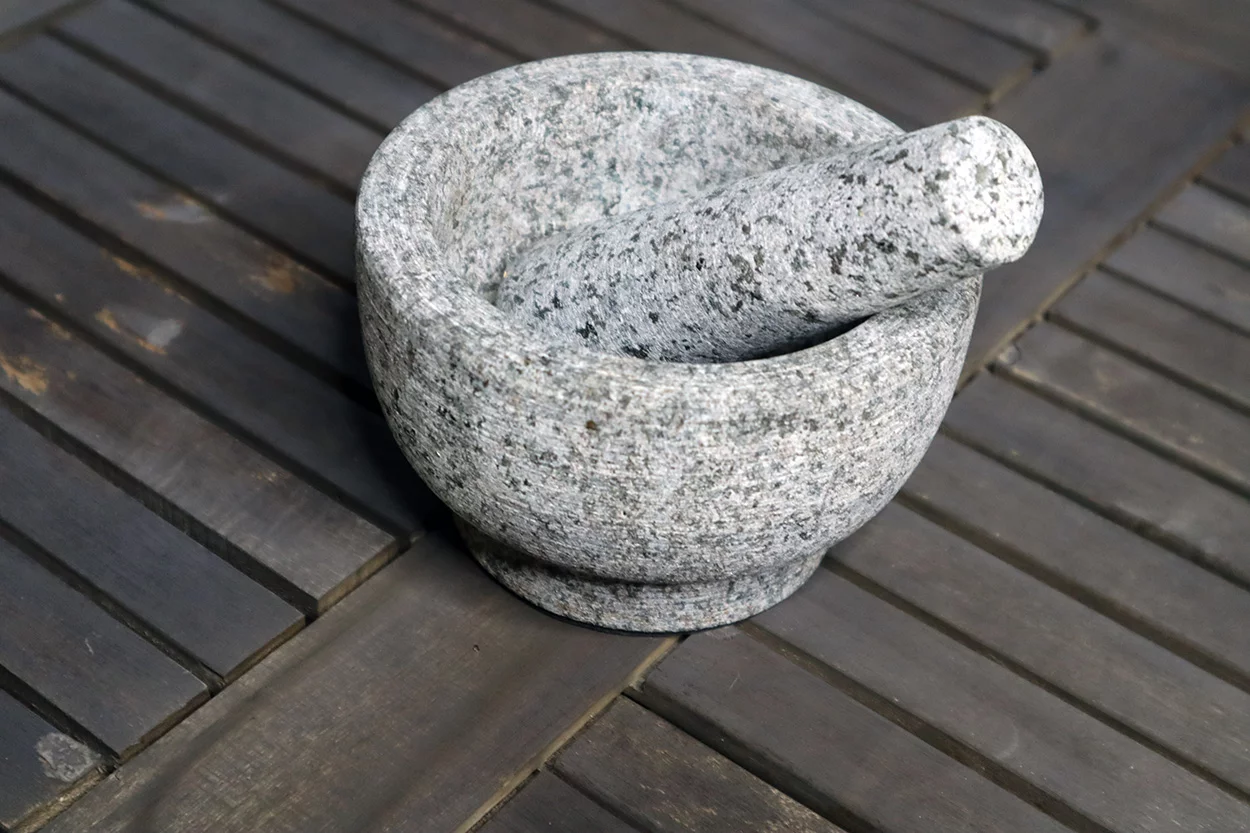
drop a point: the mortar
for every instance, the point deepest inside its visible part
(626, 493)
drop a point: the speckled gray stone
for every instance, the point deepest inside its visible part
(774, 261)
(636, 494)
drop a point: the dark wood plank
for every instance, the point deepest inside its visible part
(346, 447)
(243, 504)
(1164, 334)
(1092, 121)
(173, 585)
(662, 26)
(288, 122)
(38, 764)
(1136, 400)
(836, 755)
(1231, 172)
(242, 184)
(1119, 477)
(422, 699)
(548, 805)
(225, 266)
(1078, 760)
(1153, 591)
(407, 36)
(322, 63)
(526, 27)
(970, 54)
(19, 16)
(1210, 218)
(661, 779)
(1186, 273)
(1038, 25)
(84, 662)
(898, 85)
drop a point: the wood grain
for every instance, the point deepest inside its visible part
(176, 587)
(1073, 758)
(973, 56)
(85, 663)
(38, 764)
(659, 25)
(345, 447)
(526, 27)
(408, 37)
(548, 805)
(1092, 121)
(1163, 334)
(1210, 218)
(411, 706)
(225, 269)
(1231, 172)
(1106, 471)
(1137, 401)
(280, 530)
(323, 64)
(898, 85)
(661, 779)
(287, 122)
(1152, 590)
(1040, 26)
(837, 756)
(1189, 274)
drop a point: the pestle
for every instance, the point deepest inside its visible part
(777, 260)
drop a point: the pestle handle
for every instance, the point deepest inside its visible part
(775, 260)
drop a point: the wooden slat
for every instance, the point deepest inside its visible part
(241, 183)
(1136, 400)
(1116, 475)
(346, 446)
(661, 779)
(836, 755)
(408, 37)
(355, 80)
(415, 704)
(1210, 218)
(975, 57)
(665, 27)
(1092, 121)
(1187, 273)
(898, 85)
(312, 548)
(548, 805)
(1077, 760)
(1044, 28)
(17, 16)
(84, 662)
(1139, 583)
(287, 121)
(1164, 334)
(1231, 172)
(176, 587)
(37, 763)
(526, 27)
(231, 268)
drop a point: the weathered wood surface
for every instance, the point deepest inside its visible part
(84, 662)
(1039, 26)
(1110, 473)
(409, 706)
(548, 805)
(836, 755)
(38, 763)
(1092, 121)
(1211, 219)
(651, 773)
(284, 533)
(180, 590)
(1231, 172)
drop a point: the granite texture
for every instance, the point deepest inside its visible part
(630, 493)
(778, 260)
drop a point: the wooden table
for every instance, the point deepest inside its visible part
(227, 604)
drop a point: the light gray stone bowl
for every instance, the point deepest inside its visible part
(626, 493)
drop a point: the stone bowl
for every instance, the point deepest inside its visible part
(626, 493)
